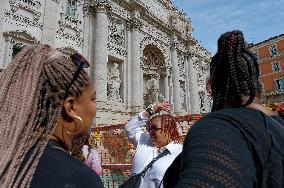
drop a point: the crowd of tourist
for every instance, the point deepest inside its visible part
(48, 102)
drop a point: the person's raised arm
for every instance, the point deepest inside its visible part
(134, 125)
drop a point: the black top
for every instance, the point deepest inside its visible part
(58, 169)
(237, 147)
(171, 175)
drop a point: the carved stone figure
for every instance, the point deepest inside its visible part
(182, 96)
(114, 84)
(209, 102)
(161, 98)
(116, 34)
(202, 98)
(152, 87)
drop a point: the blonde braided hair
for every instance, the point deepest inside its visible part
(31, 97)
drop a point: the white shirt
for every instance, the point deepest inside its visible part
(145, 152)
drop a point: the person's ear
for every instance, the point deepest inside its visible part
(70, 107)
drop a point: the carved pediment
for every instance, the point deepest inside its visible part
(21, 35)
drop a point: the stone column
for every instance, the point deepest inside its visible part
(4, 5)
(166, 87)
(128, 66)
(176, 77)
(187, 83)
(136, 73)
(88, 41)
(193, 86)
(51, 13)
(8, 50)
(100, 50)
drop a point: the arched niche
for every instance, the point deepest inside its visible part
(155, 74)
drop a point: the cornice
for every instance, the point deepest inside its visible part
(267, 42)
(21, 35)
(102, 6)
(131, 5)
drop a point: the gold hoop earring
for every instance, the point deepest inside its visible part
(80, 119)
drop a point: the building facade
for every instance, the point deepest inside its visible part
(141, 51)
(270, 55)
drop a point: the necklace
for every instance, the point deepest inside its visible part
(56, 147)
(55, 144)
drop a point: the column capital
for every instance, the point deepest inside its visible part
(169, 71)
(134, 24)
(90, 9)
(174, 45)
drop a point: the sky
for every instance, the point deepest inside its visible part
(257, 19)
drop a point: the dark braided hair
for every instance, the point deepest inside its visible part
(234, 72)
(32, 91)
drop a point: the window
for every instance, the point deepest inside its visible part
(255, 54)
(276, 66)
(273, 50)
(279, 84)
(71, 8)
(16, 49)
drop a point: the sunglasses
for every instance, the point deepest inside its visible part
(80, 63)
(152, 127)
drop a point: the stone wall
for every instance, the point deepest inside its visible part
(117, 37)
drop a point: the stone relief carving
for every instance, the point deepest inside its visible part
(150, 40)
(161, 98)
(70, 37)
(174, 20)
(153, 61)
(102, 6)
(117, 50)
(120, 10)
(117, 32)
(209, 101)
(202, 101)
(174, 45)
(70, 22)
(200, 79)
(23, 19)
(153, 90)
(182, 96)
(114, 83)
(189, 28)
(30, 5)
(201, 62)
(134, 24)
(181, 64)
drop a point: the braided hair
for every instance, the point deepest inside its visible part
(234, 72)
(32, 91)
(168, 124)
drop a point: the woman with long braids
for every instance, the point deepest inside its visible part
(240, 143)
(46, 101)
